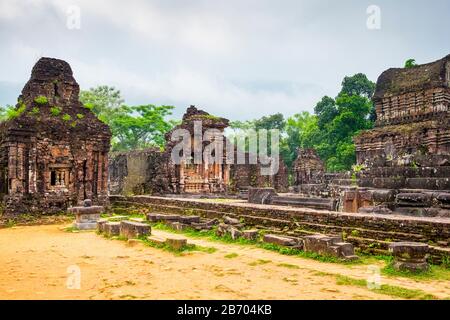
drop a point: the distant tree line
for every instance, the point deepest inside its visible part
(329, 130)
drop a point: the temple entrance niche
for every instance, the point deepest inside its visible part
(59, 178)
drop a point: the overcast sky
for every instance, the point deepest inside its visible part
(239, 59)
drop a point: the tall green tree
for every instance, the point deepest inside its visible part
(104, 101)
(340, 119)
(139, 127)
(302, 131)
(133, 127)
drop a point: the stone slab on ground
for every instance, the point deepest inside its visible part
(189, 219)
(158, 217)
(231, 221)
(176, 243)
(279, 240)
(178, 226)
(157, 240)
(250, 235)
(85, 225)
(130, 229)
(101, 225)
(112, 228)
(329, 245)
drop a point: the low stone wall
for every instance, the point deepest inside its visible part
(369, 232)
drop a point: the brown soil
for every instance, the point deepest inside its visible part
(34, 262)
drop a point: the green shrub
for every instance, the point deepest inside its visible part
(35, 111)
(55, 111)
(66, 117)
(89, 106)
(41, 100)
(80, 116)
(14, 113)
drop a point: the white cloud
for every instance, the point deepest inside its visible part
(239, 59)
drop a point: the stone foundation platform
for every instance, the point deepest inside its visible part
(369, 232)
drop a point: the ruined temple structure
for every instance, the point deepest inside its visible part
(405, 159)
(204, 177)
(308, 170)
(153, 171)
(53, 150)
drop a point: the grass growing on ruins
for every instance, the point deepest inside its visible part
(29, 220)
(393, 291)
(178, 252)
(231, 256)
(435, 272)
(71, 229)
(211, 235)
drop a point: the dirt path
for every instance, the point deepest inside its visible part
(34, 264)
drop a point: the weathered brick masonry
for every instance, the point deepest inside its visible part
(367, 231)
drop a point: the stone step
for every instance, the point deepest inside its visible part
(314, 203)
(279, 240)
(173, 242)
(131, 229)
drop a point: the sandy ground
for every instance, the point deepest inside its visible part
(36, 261)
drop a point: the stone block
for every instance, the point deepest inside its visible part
(231, 221)
(235, 233)
(189, 219)
(261, 195)
(413, 199)
(329, 245)
(279, 240)
(250, 235)
(212, 222)
(375, 210)
(176, 243)
(178, 226)
(101, 225)
(112, 229)
(201, 226)
(85, 225)
(159, 241)
(158, 217)
(130, 229)
(222, 229)
(410, 256)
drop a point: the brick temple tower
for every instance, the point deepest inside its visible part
(53, 150)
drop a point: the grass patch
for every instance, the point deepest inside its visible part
(41, 100)
(393, 291)
(211, 235)
(71, 229)
(259, 262)
(433, 273)
(178, 252)
(231, 255)
(288, 265)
